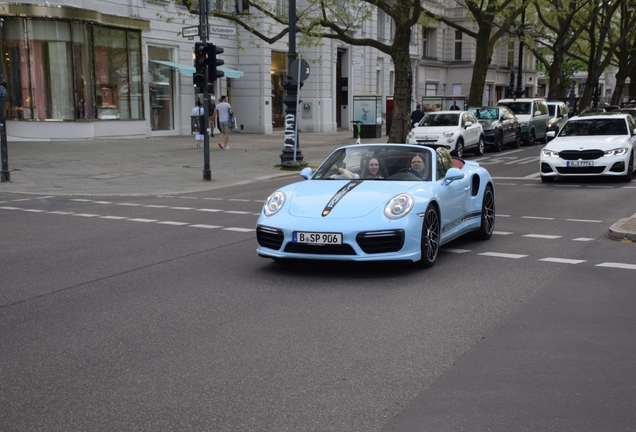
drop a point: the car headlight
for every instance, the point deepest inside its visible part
(524, 124)
(399, 206)
(448, 134)
(274, 203)
(550, 125)
(410, 135)
(616, 152)
(549, 153)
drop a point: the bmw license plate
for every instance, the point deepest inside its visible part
(580, 163)
(317, 238)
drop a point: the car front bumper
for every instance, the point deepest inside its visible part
(605, 166)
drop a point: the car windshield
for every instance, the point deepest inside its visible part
(519, 107)
(440, 120)
(591, 127)
(387, 162)
(551, 110)
(485, 113)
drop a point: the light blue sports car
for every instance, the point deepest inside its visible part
(378, 202)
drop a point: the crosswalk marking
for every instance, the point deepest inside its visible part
(503, 255)
(562, 260)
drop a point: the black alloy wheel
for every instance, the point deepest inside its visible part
(487, 215)
(498, 141)
(517, 142)
(531, 138)
(430, 237)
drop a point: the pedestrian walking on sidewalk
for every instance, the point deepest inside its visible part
(223, 111)
(198, 111)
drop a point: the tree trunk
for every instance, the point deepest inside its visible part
(478, 81)
(403, 87)
(557, 86)
(618, 90)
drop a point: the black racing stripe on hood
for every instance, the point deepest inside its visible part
(339, 195)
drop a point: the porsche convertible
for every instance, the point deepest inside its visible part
(344, 212)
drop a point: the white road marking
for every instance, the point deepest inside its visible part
(542, 236)
(237, 199)
(173, 223)
(214, 199)
(617, 265)
(502, 215)
(142, 220)
(80, 200)
(210, 210)
(45, 197)
(102, 202)
(502, 233)
(237, 212)
(503, 255)
(181, 208)
(189, 197)
(584, 220)
(33, 210)
(85, 215)
(562, 260)
(205, 226)
(588, 239)
(155, 206)
(536, 217)
(22, 199)
(129, 204)
(113, 217)
(240, 229)
(457, 251)
(60, 212)
(532, 176)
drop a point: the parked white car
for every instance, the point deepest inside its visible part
(455, 130)
(591, 144)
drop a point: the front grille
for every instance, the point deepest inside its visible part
(582, 155)
(302, 248)
(580, 170)
(381, 241)
(270, 238)
(545, 168)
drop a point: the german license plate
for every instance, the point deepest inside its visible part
(317, 238)
(579, 164)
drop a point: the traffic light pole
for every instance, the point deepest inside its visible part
(203, 31)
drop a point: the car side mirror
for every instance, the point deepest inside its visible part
(504, 117)
(306, 173)
(468, 123)
(452, 175)
(536, 113)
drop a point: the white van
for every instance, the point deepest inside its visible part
(533, 116)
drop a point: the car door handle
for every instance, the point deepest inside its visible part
(467, 188)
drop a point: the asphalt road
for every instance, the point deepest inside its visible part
(154, 313)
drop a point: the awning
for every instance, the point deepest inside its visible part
(231, 73)
(190, 70)
(185, 69)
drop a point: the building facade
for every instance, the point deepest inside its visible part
(90, 69)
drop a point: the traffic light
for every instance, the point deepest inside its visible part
(201, 52)
(215, 62)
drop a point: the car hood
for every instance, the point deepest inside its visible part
(347, 199)
(488, 124)
(588, 142)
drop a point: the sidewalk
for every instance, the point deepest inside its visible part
(156, 166)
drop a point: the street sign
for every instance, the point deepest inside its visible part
(299, 65)
(221, 30)
(190, 31)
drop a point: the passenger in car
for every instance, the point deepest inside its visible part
(418, 166)
(372, 169)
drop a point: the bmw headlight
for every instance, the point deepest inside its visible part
(399, 206)
(448, 134)
(410, 135)
(616, 152)
(549, 153)
(274, 203)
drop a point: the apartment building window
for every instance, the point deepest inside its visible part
(425, 48)
(381, 21)
(413, 35)
(458, 45)
(282, 8)
(511, 54)
(431, 89)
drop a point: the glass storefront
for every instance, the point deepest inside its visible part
(161, 87)
(279, 75)
(61, 70)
